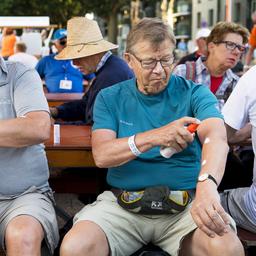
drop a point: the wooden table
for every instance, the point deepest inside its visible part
(56, 99)
(74, 149)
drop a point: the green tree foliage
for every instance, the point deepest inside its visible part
(59, 11)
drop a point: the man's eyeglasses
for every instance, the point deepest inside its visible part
(151, 63)
(231, 46)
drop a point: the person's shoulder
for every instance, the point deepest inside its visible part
(46, 58)
(184, 85)
(115, 61)
(118, 88)
(189, 57)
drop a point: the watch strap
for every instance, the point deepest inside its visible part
(213, 179)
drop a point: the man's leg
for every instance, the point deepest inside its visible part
(85, 238)
(198, 243)
(23, 236)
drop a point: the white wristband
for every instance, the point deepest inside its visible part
(132, 146)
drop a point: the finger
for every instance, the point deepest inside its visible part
(181, 142)
(188, 120)
(218, 225)
(203, 227)
(223, 215)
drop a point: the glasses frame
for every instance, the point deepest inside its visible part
(232, 46)
(156, 61)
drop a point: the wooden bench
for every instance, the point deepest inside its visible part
(247, 238)
(56, 99)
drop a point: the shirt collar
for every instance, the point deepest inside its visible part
(229, 74)
(103, 60)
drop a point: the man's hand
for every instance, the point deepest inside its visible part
(54, 112)
(207, 211)
(174, 134)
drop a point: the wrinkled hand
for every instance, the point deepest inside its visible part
(175, 135)
(207, 211)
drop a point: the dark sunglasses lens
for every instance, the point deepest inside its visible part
(63, 42)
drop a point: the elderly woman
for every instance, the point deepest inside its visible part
(226, 45)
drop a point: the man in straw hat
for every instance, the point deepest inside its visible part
(91, 54)
(171, 202)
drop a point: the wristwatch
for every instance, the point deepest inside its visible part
(207, 176)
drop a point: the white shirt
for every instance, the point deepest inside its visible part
(239, 109)
(27, 59)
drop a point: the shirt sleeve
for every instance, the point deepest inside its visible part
(204, 103)
(236, 110)
(102, 116)
(28, 93)
(252, 38)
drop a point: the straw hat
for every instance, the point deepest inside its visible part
(84, 39)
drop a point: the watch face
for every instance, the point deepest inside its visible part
(203, 177)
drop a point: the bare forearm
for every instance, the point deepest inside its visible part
(248, 57)
(240, 135)
(21, 132)
(214, 155)
(117, 151)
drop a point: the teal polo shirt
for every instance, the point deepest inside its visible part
(125, 110)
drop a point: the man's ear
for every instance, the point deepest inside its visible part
(210, 46)
(127, 58)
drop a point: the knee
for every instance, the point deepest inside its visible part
(26, 236)
(228, 245)
(74, 245)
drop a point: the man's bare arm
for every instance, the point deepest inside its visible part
(32, 128)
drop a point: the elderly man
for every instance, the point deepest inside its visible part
(241, 107)
(27, 215)
(151, 196)
(91, 54)
(201, 36)
(60, 76)
(225, 44)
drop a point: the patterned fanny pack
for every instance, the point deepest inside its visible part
(155, 200)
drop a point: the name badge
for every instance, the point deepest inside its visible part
(66, 84)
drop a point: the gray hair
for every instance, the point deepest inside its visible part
(152, 30)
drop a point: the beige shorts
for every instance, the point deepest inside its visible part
(35, 204)
(127, 232)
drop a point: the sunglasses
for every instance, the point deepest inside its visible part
(63, 42)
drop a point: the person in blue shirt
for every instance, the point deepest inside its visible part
(60, 76)
(171, 202)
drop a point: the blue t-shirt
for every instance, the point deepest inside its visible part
(123, 109)
(53, 71)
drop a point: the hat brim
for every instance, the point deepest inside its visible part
(71, 52)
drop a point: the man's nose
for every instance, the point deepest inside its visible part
(158, 67)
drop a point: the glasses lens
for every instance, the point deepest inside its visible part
(232, 46)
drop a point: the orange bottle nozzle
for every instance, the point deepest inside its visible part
(192, 127)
